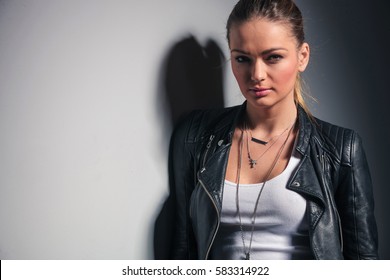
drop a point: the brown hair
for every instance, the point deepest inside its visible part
(276, 11)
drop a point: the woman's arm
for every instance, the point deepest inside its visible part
(355, 202)
(181, 178)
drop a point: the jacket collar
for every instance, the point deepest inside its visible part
(305, 130)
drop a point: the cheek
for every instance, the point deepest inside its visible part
(236, 73)
(239, 72)
(287, 73)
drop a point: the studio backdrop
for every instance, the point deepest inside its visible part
(90, 91)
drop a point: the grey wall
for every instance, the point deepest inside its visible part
(84, 134)
(348, 75)
(85, 127)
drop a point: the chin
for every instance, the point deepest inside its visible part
(260, 105)
(268, 102)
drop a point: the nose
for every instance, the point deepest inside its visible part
(258, 71)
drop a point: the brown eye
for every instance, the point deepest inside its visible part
(274, 58)
(242, 59)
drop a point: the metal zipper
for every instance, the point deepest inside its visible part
(209, 195)
(219, 220)
(334, 207)
(340, 230)
(207, 151)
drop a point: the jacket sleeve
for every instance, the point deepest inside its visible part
(355, 202)
(181, 178)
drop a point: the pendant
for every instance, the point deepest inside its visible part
(252, 162)
(258, 141)
(247, 256)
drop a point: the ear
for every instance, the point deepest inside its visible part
(303, 57)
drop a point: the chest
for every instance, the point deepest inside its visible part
(251, 163)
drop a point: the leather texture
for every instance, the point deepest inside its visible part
(333, 176)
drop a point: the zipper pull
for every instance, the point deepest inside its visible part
(210, 141)
(207, 151)
(323, 162)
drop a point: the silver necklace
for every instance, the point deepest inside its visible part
(253, 219)
(253, 162)
(263, 142)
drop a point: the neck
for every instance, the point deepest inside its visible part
(269, 120)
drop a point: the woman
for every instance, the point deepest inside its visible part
(267, 180)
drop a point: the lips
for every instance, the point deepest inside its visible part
(260, 91)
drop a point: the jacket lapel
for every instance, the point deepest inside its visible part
(307, 185)
(212, 175)
(216, 154)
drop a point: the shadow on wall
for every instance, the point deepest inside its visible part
(193, 79)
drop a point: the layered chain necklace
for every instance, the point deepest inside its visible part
(253, 162)
(247, 251)
(272, 140)
(263, 142)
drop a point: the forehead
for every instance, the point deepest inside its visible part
(261, 33)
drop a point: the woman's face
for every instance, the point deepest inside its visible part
(266, 60)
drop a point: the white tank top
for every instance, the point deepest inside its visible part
(281, 228)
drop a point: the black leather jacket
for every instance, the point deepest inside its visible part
(333, 176)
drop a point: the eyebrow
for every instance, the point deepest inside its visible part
(262, 53)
